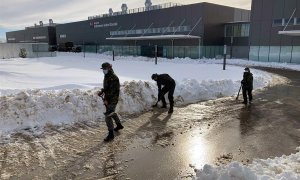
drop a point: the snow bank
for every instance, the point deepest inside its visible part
(283, 168)
(62, 90)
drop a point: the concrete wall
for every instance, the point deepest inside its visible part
(12, 50)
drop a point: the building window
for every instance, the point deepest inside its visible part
(277, 22)
(291, 22)
(228, 30)
(237, 30)
(62, 36)
(245, 30)
(139, 31)
(297, 21)
(39, 37)
(11, 39)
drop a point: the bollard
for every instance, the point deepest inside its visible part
(224, 62)
(113, 52)
(155, 54)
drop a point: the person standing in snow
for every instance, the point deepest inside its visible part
(169, 87)
(247, 85)
(111, 90)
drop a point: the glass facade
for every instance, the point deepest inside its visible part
(274, 53)
(286, 21)
(277, 22)
(166, 51)
(296, 54)
(284, 54)
(253, 54)
(237, 30)
(264, 53)
(151, 31)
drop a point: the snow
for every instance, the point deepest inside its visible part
(63, 89)
(247, 63)
(283, 168)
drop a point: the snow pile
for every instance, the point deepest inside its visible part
(63, 89)
(33, 108)
(285, 167)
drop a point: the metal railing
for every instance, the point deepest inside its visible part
(137, 10)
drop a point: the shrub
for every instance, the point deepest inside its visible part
(23, 53)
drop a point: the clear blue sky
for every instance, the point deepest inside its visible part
(2, 33)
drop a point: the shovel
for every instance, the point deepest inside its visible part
(237, 97)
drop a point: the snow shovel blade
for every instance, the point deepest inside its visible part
(155, 105)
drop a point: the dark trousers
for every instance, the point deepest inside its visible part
(247, 91)
(109, 120)
(170, 90)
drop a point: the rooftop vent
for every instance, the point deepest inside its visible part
(148, 4)
(124, 8)
(110, 12)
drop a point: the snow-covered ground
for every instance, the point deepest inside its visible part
(63, 89)
(283, 168)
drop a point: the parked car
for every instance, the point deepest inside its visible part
(76, 49)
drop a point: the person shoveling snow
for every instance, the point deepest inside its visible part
(169, 87)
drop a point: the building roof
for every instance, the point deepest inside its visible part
(158, 37)
(290, 33)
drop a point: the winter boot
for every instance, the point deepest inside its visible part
(110, 136)
(170, 110)
(164, 105)
(119, 126)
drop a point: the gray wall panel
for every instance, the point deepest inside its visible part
(256, 10)
(278, 8)
(255, 29)
(264, 38)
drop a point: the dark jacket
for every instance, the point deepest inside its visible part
(111, 87)
(165, 80)
(247, 81)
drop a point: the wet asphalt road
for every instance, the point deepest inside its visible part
(156, 145)
(267, 128)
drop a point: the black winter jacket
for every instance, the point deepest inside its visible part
(111, 87)
(247, 81)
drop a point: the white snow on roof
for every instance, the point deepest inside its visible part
(290, 33)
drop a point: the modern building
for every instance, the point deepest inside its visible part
(174, 30)
(275, 31)
(195, 30)
(41, 33)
